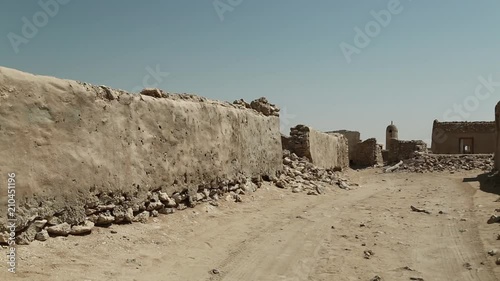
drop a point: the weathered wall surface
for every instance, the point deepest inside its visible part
(368, 153)
(353, 138)
(446, 135)
(324, 150)
(401, 150)
(69, 142)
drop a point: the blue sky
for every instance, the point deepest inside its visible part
(423, 62)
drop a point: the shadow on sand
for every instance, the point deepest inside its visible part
(488, 182)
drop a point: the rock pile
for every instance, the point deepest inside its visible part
(300, 175)
(425, 163)
(261, 105)
(105, 209)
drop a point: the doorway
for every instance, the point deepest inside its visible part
(466, 145)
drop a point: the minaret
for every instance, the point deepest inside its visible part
(391, 133)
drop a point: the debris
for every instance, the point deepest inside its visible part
(418, 210)
(368, 254)
(82, 229)
(42, 235)
(215, 271)
(493, 219)
(395, 167)
(62, 229)
(468, 266)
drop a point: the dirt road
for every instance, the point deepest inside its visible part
(280, 236)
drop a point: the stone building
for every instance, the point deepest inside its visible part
(463, 137)
(367, 153)
(402, 150)
(329, 151)
(353, 138)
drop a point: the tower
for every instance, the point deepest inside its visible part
(391, 133)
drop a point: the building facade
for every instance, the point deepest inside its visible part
(463, 137)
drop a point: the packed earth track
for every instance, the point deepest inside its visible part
(274, 234)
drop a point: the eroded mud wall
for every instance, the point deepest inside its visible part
(69, 142)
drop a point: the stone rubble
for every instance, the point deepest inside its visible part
(103, 210)
(300, 175)
(428, 163)
(261, 105)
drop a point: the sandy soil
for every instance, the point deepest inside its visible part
(280, 236)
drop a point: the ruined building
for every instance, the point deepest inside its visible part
(361, 153)
(353, 138)
(463, 137)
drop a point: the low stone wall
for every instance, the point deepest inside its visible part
(428, 163)
(368, 153)
(82, 151)
(401, 150)
(328, 151)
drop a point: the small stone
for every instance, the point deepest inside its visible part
(492, 252)
(376, 278)
(103, 208)
(493, 219)
(163, 196)
(468, 266)
(62, 229)
(82, 229)
(498, 261)
(40, 224)
(178, 198)
(154, 206)
(171, 203)
(215, 271)
(281, 184)
(129, 215)
(4, 237)
(53, 221)
(368, 254)
(142, 217)
(166, 211)
(181, 207)
(42, 235)
(105, 219)
(154, 213)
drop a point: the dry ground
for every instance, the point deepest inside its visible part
(276, 235)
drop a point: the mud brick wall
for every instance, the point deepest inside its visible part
(69, 142)
(368, 153)
(322, 149)
(446, 136)
(353, 139)
(402, 150)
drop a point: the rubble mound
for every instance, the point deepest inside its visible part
(261, 105)
(301, 175)
(427, 163)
